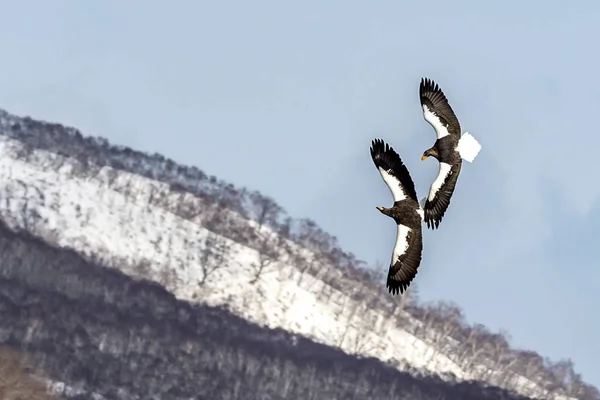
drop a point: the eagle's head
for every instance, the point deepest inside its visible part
(383, 210)
(432, 152)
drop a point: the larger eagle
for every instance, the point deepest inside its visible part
(406, 212)
(449, 149)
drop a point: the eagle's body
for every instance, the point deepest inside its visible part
(449, 149)
(406, 212)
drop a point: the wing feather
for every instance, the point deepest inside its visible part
(440, 194)
(437, 110)
(393, 171)
(406, 259)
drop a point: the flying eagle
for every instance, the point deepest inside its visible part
(406, 212)
(449, 149)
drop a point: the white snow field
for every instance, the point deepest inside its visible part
(92, 216)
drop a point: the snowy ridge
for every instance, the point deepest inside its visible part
(108, 214)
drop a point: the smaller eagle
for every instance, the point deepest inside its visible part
(449, 149)
(406, 212)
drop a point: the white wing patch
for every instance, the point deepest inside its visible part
(468, 147)
(437, 183)
(393, 183)
(434, 121)
(401, 242)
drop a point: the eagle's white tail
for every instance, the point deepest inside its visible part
(468, 147)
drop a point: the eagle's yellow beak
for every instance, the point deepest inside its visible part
(423, 158)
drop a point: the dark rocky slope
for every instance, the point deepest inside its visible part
(97, 329)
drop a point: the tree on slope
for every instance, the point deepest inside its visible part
(264, 210)
(268, 257)
(215, 253)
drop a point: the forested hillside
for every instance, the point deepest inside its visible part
(280, 240)
(104, 333)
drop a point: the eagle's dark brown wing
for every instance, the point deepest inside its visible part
(437, 110)
(406, 259)
(440, 194)
(393, 171)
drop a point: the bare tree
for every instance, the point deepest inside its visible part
(304, 265)
(471, 345)
(589, 392)
(530, 364)
(285, 227)
(565, 376)
(268, 256)
(446, 318)
(325, 290)
(215, 253)
(499, 349)
(234, 199)
(312, 237)
(507, 376)
(497, 355)
(361, 341)
(264, 209)
(349, 310)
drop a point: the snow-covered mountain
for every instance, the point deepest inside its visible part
(209, 242)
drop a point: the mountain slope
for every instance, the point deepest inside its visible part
(208, 241)
(108, 334)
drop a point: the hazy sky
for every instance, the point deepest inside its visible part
(285, 98)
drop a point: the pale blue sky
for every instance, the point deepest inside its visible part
(285, 98)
